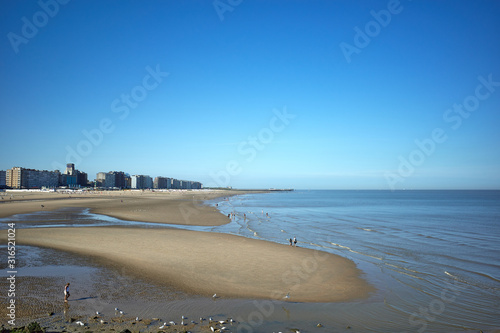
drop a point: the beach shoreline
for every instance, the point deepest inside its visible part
(198, 263)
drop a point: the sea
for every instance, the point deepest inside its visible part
(433, 257)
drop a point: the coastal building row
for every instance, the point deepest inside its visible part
(22, 178)
(119, 179)
(172, 183)
(112, 179)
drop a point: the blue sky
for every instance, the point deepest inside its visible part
(253, 94)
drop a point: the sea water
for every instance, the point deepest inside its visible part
(433, 256)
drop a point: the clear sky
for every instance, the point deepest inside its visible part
(252, 94)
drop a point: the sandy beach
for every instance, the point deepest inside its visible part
(196, 263)
(174, 207)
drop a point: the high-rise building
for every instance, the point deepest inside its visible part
(100, 179)
(162, 183)
(82, 178)
(176, 183)
(3, 180)
(72, 177)
(13, 178)
(141, 182)
(70, 169)
(18, 177)
(119, 180)
(112, 179)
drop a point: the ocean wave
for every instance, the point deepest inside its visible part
(357, 252)
(476, 283)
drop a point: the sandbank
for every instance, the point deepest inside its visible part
(208, 263)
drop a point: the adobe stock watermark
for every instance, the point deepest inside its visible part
(192, 211)
(291, 279)
(425, 315)
(30, 27)
(454, 117)
(372, 29)
(222, 6)
(250, 147)
(120, 106)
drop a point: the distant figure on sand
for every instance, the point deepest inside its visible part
(66, 292)
(294, 241)
(290, 242)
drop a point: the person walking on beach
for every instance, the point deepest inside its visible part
(66, 292)
(290, 242)
(294, 241)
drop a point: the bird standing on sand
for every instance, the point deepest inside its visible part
(287, 296)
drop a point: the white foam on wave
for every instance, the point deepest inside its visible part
(353, 251)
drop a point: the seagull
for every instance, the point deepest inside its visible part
(183, 317)
(210, 319)
(287, 296)
(97, 313)
(102, 321)
(171, 322)
(136, 318)
(202, 319)
(222, 321)
(214, 296)
(116, 309)
(212, 328)
(121, 312)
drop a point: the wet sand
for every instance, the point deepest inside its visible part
(203, 263)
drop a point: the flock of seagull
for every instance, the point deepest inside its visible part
(211, 322)
(215, 325)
